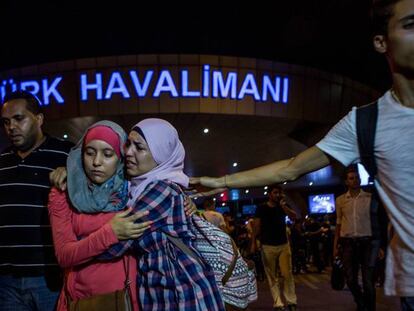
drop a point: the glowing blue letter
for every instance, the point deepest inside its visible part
(141, 89)
(268, 87)
(206, 80)
(285, 97)
(93, 86)
(30, 86)
(51, 90)
(218, 83)
(249, 87)
(165, 77)
(184, 86)
(120, 87)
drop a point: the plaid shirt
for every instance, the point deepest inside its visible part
(168, 278)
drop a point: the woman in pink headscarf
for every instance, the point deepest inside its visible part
(91, 216)
(168, 278)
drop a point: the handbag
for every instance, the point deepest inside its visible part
(337, 275)
(119, 300)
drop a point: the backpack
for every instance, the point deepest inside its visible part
(235, 280)
(366, 124)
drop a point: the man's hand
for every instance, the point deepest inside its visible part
(202, 187)
(124, 226)
(210, 182)
(58, 178)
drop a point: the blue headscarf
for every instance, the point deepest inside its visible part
(91, 198)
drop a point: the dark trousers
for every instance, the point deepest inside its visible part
(317, 253)
(407, 303)
(360, 253)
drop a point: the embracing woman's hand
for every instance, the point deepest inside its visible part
(58, 178)
(124, 226)
(189, 206)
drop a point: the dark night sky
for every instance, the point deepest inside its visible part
(332, 35)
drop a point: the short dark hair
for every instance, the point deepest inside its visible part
(381, 12)
(273, 187)
(32, 102)
(353, 168)
(208, 202)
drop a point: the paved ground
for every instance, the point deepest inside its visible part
(314, 293)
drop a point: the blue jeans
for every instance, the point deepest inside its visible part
(407, 303)
(26, 293)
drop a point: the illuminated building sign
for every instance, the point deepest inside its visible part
(152, 84)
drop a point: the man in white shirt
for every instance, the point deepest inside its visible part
(353, 233)
(393, 36)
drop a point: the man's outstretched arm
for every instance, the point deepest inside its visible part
(285, 170)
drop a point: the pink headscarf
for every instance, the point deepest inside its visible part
(106, 134)
(167, 151)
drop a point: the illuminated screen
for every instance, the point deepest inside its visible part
(223, 209)
(249, 209)
(322, 203)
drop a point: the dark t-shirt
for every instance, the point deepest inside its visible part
(273, 225)
(26, 239)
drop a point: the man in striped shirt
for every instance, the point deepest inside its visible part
(29, 274)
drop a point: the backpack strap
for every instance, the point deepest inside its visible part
(366, 125)
(184, 248)
(230, 269)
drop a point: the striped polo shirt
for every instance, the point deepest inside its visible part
(26, 243)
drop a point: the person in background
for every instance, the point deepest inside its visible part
(353, 233)
(314, 232)
(298, 245)
(229, 220)
(212, 216)
(270, 227)
(30, 277)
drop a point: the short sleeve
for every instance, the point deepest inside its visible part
(341, 142)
